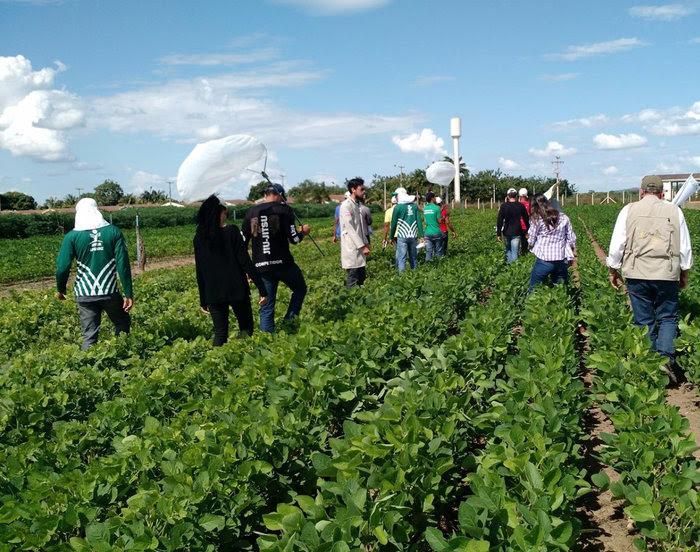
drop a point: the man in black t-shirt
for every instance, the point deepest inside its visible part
(508, 224)
(270, 228)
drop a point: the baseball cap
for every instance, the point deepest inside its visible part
(400, 190)
(522, 192)
(652, 183)
(273, 188)
(438, 200)
(429, 196)
(511, 191)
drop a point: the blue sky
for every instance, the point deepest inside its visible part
(337, 88)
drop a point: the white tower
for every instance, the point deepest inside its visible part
(456, 132)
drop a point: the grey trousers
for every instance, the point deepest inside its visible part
(90, 313)
(355, 276)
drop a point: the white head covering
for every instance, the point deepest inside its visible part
(399, 191)
(438, 200)
(405, 198)
(88, 216)
(522, 192)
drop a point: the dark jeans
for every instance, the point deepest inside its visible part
(557, 271)
(90, 313)
(445, 239)
(355, 276)
(219, 316)
(433, 247)
(655, 305)
(293, 278)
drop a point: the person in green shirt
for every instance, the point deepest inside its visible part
(406, 229)
(433, 234)
(100, 255)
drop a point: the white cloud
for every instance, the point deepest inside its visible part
(553, 148)
(560, 77)
(335, 7)
(33, 116)
(217, 59)
(425, 142)
(583, 122)
(678, 122)
(142, 181)
(610, 171)
(508, 164)
(695, 40)
(619, 141)
(695, 160)
(643, 116)
(574, 53)
(665, 12)
(430, 80)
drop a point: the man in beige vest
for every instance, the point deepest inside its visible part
(651, 247)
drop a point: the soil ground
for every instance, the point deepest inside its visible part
(44, 283)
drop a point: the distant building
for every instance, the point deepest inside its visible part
(672, 182)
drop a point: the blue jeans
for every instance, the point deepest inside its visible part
(558, 271)
(512, 244)
(406, 249)
(293, 278)
(655, 305)
(433, 247)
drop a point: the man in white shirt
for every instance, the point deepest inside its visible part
(650, 246)
(354, 246)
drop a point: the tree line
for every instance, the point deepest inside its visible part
(482, 185)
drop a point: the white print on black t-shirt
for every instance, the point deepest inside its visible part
(265, 227)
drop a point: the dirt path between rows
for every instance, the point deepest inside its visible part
(49, 282)
(684, 397)
(605, 527)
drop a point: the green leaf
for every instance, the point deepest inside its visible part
(533, 476)
(381, 535)
(601, 480)
(211, 522)
(79, 545)
(435, 539)
(640, 512)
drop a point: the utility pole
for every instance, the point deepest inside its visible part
(80, 192)
(456, 132)
(170, 191)
(557, 169)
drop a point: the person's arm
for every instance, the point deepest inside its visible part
(121, 256)
(532, 236)
(349, 230)
(618, 241)
(571, 237)
(394, 222)
(448, 223)
(335, 229)
(499, 221)
(241, 253)
(293, 235)
(199, 270)
(63, 264)
(245, 228)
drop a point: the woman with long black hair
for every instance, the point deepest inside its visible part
(222, 262)
(552, 240)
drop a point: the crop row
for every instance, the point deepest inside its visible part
(651, 449)
(185, 447)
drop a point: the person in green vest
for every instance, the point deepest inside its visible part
(433, 235)
(406, 229)
(100, 254)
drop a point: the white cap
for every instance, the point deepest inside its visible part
(522, 192)
(511, 191)
(438, 200)
(400, 191)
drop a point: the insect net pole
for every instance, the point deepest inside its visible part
(456, 132)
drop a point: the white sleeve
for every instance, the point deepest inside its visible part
(686, 249)
(618, 240)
